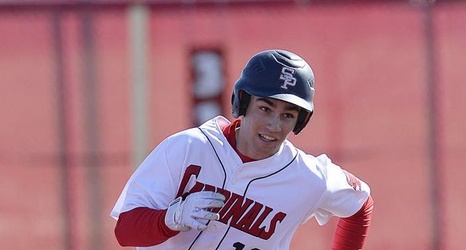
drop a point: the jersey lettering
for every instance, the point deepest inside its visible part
(192, 170)
(240, 246)
(242, 213)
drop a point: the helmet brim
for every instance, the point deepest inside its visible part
(293, 99)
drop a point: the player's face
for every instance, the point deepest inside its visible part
(267, 123)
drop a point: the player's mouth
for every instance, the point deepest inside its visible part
(267, 138)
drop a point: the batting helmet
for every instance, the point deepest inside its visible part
(277, 74)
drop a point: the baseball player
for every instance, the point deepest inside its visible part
(242, 185)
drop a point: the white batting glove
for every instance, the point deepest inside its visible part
(182, 215)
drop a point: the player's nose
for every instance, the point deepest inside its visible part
(274, 123)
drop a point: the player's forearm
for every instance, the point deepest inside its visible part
(142, 227)
(351, 232)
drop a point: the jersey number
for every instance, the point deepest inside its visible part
(240, 246)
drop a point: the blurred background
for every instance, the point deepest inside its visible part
(89, 88)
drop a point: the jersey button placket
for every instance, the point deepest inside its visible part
(213, 228)
(234, 177)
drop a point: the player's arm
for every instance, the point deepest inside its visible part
(351, 232)
(142, 226)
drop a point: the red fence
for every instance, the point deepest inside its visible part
(80, 105)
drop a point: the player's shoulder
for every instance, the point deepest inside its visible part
(195, 135)
(185, 137)
(316, 164)
(320, 160)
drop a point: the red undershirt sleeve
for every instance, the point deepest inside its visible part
(351, 232)
(142, 227)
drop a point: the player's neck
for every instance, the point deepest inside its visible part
(231, 133)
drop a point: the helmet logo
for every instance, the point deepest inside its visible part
(287, 77)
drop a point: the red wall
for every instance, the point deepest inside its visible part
(372, 67)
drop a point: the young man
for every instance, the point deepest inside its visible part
(243, 185)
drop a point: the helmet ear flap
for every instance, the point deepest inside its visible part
(240, 101)
(303, 119)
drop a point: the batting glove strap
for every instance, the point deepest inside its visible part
(173, 216)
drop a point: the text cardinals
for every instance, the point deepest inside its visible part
(239, 212)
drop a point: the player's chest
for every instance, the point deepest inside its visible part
(263, 198)
(258, 213)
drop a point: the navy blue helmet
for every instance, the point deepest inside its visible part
(277, 74)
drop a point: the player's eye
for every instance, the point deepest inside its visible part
(288, 115)
(265, 109)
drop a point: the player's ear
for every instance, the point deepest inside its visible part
(245, 99)
(239, 103)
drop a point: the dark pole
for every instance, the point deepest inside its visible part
(64, 160)
(92, 160)
(434, 129)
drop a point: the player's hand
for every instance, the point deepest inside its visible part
(193, 211)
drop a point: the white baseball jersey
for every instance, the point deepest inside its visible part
(266, 200)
